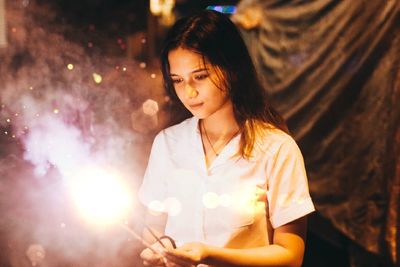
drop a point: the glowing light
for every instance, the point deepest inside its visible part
(299, 200)
(225, 200)
(150, 107)
(97, 78)
(172, 206)
(153, 75)
(5, 132)
(124, 69)
(143, 40)
(25, 3)
(8, 120)
(156, 207)
(56, 111)
(156, 7)
(35, 254)
(229, 9)
(283, 200)
(142, 65)
(163, 8)
(16, 114)
(244, 201)
(211, 200)
(101, 197)
(70, 66)
(31, 88)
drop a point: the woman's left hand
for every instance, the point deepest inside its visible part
(188, 255)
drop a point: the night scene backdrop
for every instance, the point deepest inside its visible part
(80, 86)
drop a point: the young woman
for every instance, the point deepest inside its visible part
(229, 182)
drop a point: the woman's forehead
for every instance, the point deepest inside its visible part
(185, 60)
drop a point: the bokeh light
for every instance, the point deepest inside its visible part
(97, 78)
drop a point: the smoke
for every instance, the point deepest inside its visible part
(63, 108)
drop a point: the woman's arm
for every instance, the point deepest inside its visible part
(287, 250)
(156, 222)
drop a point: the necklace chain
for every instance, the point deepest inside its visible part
(209, 141)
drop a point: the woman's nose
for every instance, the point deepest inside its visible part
(190, 91)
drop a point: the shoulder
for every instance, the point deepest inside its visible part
(273, 141)
(177, 133)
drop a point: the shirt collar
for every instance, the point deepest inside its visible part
(229, 151)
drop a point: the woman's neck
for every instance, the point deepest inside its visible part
(221, 124)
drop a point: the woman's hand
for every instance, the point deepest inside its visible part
(188, 255)
(150, 258)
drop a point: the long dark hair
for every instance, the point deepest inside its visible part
(214, 36)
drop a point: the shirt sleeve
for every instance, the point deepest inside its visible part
(153, 188)
(287, 187)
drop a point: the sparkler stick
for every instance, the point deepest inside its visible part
(144, 242)
(155, 236)
(88, 190)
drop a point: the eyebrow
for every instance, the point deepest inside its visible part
(195, 71)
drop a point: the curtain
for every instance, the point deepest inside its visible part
(3, 39)
(332, 70)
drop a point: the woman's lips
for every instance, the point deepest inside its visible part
(195, 106)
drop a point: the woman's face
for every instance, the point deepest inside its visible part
(197, 84)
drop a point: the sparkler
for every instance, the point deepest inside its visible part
(144, 242)
(102, 198)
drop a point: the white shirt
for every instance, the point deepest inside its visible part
(219, 206)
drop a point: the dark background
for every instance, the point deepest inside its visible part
(108, 34)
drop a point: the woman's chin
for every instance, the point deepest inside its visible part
(198, 114)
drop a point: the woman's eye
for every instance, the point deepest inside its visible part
(201, 77)
(176, 81)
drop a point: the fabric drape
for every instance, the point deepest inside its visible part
(332, 69)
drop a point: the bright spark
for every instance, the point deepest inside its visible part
(101, 197)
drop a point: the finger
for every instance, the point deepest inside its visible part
(178, 258)
(174, 264)
(151, 258)
(161, 264)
